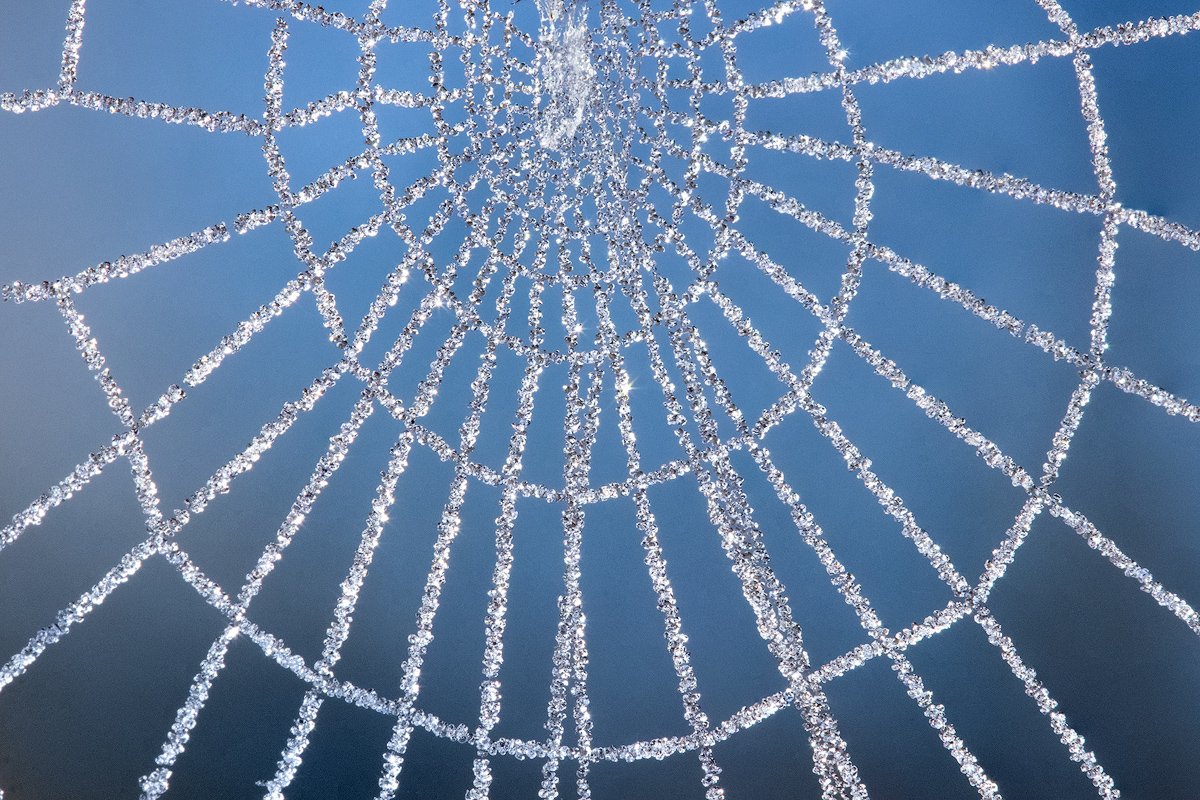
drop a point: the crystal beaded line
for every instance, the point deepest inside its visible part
(571, 205)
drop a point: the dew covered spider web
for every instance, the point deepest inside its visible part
(596, 313)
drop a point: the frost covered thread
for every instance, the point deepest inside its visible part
(566, 70)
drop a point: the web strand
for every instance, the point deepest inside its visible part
(556, 176)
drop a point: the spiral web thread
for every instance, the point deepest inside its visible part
(543, 166)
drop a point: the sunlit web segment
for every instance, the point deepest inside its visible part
(572, 137)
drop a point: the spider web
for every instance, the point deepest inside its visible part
(583, 179)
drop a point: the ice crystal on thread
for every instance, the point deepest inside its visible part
(578, 205)
(567, 71)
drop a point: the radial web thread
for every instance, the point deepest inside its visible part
(578, 158)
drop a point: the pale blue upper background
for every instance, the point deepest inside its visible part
(79, 187)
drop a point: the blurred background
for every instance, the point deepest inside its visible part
(81, 187)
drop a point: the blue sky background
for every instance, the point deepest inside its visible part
(81, 187)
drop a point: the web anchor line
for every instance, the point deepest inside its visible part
(596, 152)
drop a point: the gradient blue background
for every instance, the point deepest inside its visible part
(80, 187)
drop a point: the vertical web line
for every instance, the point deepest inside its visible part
(719, 482)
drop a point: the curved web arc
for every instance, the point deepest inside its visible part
(718, 482)
(841, 776)
(740, 537)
